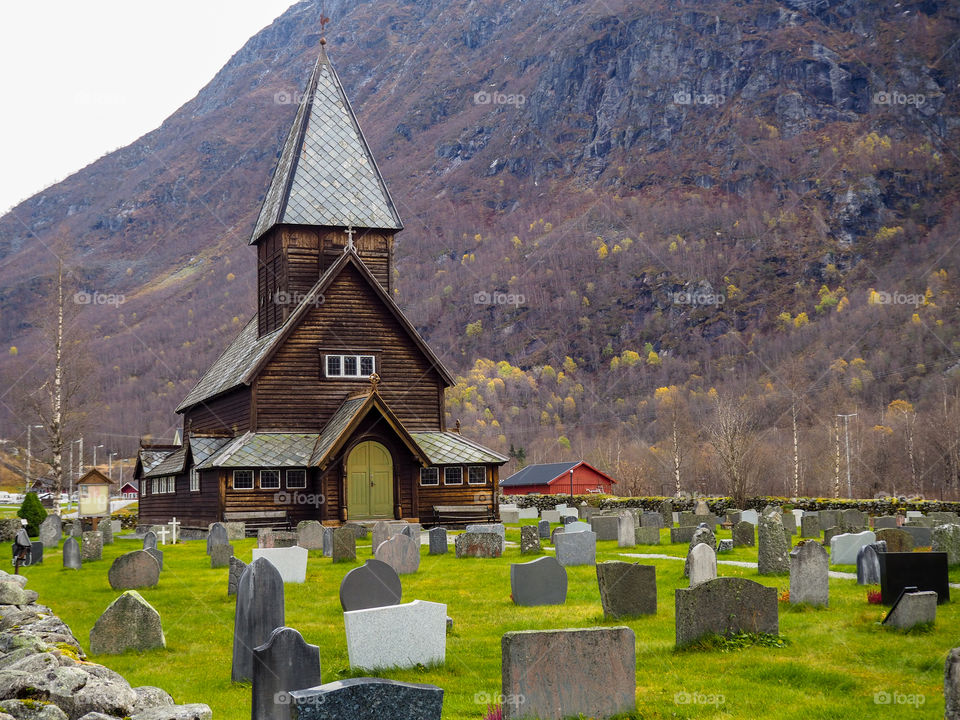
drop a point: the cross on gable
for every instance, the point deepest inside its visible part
(350, 234)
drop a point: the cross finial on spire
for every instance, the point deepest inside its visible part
(350, 233)
(374, 382)
(323, 27)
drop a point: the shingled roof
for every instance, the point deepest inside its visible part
(326, 174)
(538, 474)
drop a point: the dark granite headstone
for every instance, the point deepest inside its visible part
(666, 512)
(150, 540)
(285, 662)
(539, 582)
(923, 570)
(627, 589)
(327, 542)
(259, 612)
(682, 534)
(922, 536)
(543, 528)
(375, 584)
(71, 553)
(830, 533)
(607, 527)
(744, 534)
(220, 555)
(725, 606)
(368, 699)
(359, 531)
(438, 541)
(157, 555)
(951, 685)
(134, 570)
(651, 519)
(868, 566)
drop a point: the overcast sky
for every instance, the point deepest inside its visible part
(79, 78)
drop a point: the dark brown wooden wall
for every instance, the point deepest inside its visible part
(226, 415)
(456, 494)
(193, 510)
(292, 394)
(298, 504)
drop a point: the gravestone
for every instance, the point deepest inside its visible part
(529, 513)
(789, 523)
(496, 528)
(744, 534)
(590, 672)
(912, 608)
(556, 531)
(128, 623)
(217, 535)
(382, 531)
(651, 519)
(773, 551)
(76, 529)
(106, 529)
(438, 541)
(576, 526)
(568, 519)
(606, 527)
(220, 556)
(400, 552)
(396, 636)
(702, 535)
(810, 526)
(666, 512)
(951, 685)
(235, 530)
(310, 535)
(368, 699)
(750, 516)
(844, 547)
(853, 521)
(344, 545)
(626, 530)
(92, 547)
(647, 535)
(509, 516)
(550, 516)
(702, 564)
(946, 539)
(682, 534)
(829, 534)
(921, 536)
(897, 540)
(51, 530)
(543, 528)
(924, 571)
(809, 574)
(539, 582)
(725, 546)
(283, 663)
(734, 516)
(259, 612)
(157, 555)
(374, 584)
(868, 564)
(627, 589)
(71, 554)
(269, 539)
(701, 508)
(829, 518)
(688, 519)
(944, 518)
(150, 540)
(478, 544)
(883, 522)
(134, 570)
(291, 562)
(327, 542)
(237, 566)
(576, 548)
(529, 540)
(725, 606)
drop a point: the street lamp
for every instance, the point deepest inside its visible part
(846, 432)
(95, 455)
(29, 455)
(110, 465)
(70, 487)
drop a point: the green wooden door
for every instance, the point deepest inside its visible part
(369, 482)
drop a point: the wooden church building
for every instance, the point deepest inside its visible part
(328, 405)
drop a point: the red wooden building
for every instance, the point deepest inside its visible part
(555, 479)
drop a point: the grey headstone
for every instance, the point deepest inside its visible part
(556, 531)
(951, 685)
(810, 526)
(497, 528)
(478, 544)
(368, 699)
(328, 542)
(310, 536)
(844, 547)
(543, 528)
(922, 536)
(651, 519)
(539, 582)
(912, 608)
(220, 555)
(216, 536)
(773, 552)
(106, 529)
(682, 534)
(744, 534)
(382, 531)
(529, 540)
(51, 530)
(237, 566)
(606, 527)
(666, 512)
(702, 564)
(702, 535)
(725, 546)
(627, 589)
(688, 519)
(92, 547)
(134, 570)
(734, 516)
(701, 508)
(150, 540)
(76, 529)
(283, 663)
(868, 565)
(809, 574)
(259, 612)
(360, 531)
(647, 535)
(592, 672)
(830, 533)
(626, 530)
(344, 545)
(236, 530)
(897, 540)
(438, 541)
(725, 606)
(576, 526)
(129, 623)
(567, 519)
(401, 552)
(374, 584)
(946, 539)
(829, 518)
(853, 521)
(884, 521)
(944, 518)
(789, 523)
(267, 538)
(576, 548)
(71, 553)
(157, 555)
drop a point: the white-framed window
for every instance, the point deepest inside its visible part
(453, 475)
(155, 485)
(163, 485)
(171, 485)
(350, 366)
(243, 479)
(194, 480)
(269, 479)
(296, 479)
(477, 475)
(429, 476)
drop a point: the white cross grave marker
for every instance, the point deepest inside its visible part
(163, 532)
(173, 531)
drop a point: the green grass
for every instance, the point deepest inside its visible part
(832, 664)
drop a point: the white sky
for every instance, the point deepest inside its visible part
(80, 78)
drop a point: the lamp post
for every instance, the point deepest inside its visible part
(846, 432)
(29, 455)
(70, 487)
(95, 455)
(110, 465)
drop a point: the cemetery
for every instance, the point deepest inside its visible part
(648, 624)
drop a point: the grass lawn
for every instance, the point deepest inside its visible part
(834, 665)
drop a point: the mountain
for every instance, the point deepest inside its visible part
(600, 200)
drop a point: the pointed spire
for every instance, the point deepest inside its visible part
(326, 174)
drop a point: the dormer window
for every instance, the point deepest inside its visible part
(350, 366)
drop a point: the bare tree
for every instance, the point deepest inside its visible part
(733, 437)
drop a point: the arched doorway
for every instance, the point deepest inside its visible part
(369, 482)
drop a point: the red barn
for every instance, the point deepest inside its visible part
(554, 479)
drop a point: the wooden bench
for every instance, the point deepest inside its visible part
(457, 515)
(256, 519)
